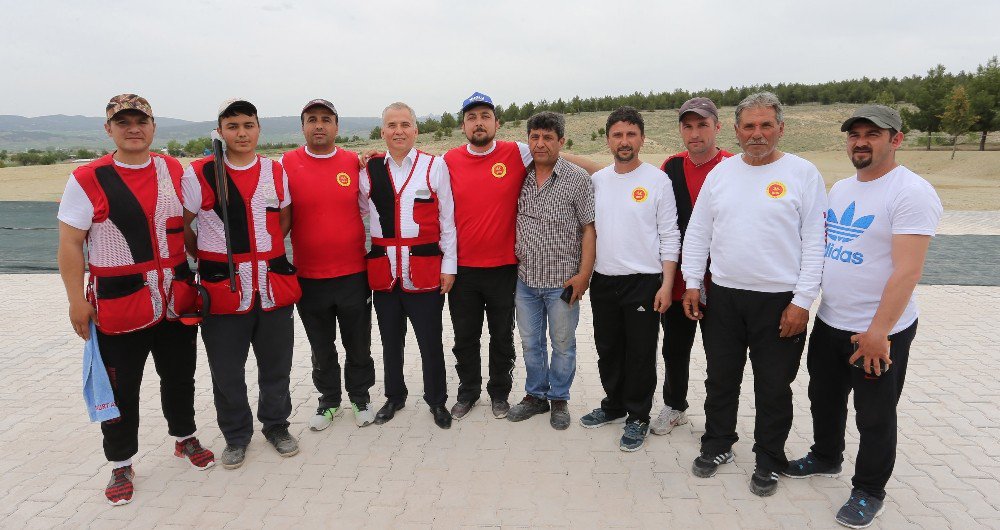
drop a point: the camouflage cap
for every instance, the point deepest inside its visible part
(128, 102)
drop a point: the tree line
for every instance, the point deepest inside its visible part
(940, 101)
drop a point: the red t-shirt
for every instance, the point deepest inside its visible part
(328, 235)
(695, 176)
(486, 188)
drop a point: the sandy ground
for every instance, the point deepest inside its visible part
(970, 182)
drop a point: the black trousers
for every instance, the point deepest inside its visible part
(678, 339)
(227, 341)
(424, 310)
(477, 289)
(345, 300)
(173, 347)
(735, 320)
(625, 332)
(831, 380)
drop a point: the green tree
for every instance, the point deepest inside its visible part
(569, 143)
(984, 94)
(4, 155)
(448, 121)
(174, 148)
(886, 98)
(957, 118)
(376, 133)
(930, 98)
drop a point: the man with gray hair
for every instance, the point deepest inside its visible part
(760, 218)
(555, 247)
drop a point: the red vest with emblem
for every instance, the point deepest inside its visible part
(255, 195)
(138, 269)
(328, 235)
(405, 227)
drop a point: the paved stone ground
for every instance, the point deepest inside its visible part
(485, 472)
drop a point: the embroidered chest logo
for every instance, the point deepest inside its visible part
(343, 179)
(499, 170)
(639, 194)
(776, 189)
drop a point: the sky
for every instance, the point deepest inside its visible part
(187, 56)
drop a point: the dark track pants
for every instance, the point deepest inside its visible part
(227, 341)
(344, 300)
(625, 333)
(678, 339)
(477, 289)
(735, 320)
(173, 347)
(831, 380)
(424, 310)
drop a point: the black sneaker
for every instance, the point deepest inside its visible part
(461, 408)
(635, 436)
(528, 407)
(860, 510)
(763, 483)
(598, 418)
(500, 408)
(706, 465)
(284, 443)
(808, 466)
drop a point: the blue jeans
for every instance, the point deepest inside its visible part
(535, 308)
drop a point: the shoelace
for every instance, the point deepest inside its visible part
(634, 429)
(193, 446)
(858, 502)
(121, 475)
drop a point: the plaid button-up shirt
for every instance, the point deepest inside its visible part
(550, 223)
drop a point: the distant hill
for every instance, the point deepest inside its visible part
(18, 133)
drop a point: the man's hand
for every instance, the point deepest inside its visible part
(873, 347)
(662, 300)
(690, 301)
(580, 285)
(447, 281)
(368, 155)
(80, 315)
(793, 321)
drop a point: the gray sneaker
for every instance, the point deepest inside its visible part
(667, 420)
(323, 418)
(283, 442)
(233, 456)
(598, 418)
(559, 419)
(528, 407)
(363, 414)
(461, 408)
(500, 408)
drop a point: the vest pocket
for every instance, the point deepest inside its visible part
(175, 235)
(282, 283)
(123, 303)
(425, 266)
(425, 215)
(215, 280)
(380, 277)
(183, 295)
(273, 220)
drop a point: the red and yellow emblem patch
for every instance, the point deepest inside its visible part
(343, 179)
(499, 170)
(639, 194)
(776, 189)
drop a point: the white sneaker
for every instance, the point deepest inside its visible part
(363, 416)
(667, 420)
(323, 418)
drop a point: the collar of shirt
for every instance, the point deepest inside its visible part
(468, 147)
(407, 160)
(314, 155)
(531, 178)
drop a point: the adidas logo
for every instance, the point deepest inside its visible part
(848, 228)
(641, 309)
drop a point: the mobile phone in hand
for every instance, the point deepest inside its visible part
(567, 294)
(859, 363)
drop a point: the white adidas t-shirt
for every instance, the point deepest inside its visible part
(860, 223)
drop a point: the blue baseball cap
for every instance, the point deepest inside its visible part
(476, 99)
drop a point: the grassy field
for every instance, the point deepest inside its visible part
(969, 182)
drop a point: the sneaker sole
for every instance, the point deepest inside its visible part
(831, 475)
(122, 502)
(317, 429)
(879, 512)
(631, 449)
(288, 454)
(596, 425)
(182, 455)
(501, 416)
(234, 466)
(660, 431)
(762, 493)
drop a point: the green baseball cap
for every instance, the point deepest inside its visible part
(880, 115)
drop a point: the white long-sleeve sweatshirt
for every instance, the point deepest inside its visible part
(763, 227)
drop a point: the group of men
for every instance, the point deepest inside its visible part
(509, 231)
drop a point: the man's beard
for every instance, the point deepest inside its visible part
(625, 158)
(863, 162)
(483, 142)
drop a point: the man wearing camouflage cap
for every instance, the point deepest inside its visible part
(126, 209)
(878, 227)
